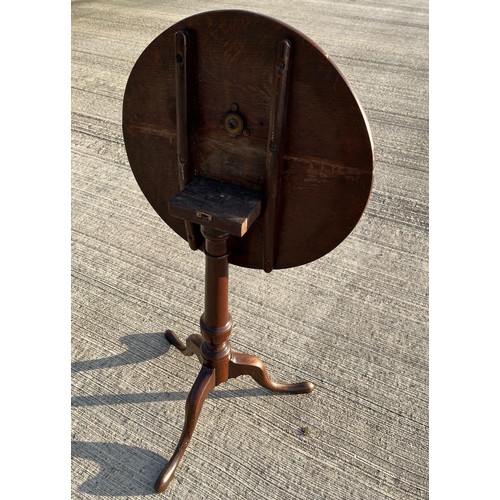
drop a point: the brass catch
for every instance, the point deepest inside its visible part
(204, 216)
(234, 123)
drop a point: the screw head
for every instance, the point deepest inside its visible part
(234, 107)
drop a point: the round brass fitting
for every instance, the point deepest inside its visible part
(234, 123)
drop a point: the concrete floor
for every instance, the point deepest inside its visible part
(354, 322)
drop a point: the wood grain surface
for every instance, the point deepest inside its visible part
(217, 205)
(324, 159)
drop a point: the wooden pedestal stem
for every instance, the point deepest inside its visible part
(219, 362)
(216, 322)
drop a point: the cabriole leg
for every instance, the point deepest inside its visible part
(245, 364)
(204, 383)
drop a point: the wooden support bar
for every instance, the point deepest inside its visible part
(181, 40)
(276, 150)
(217, 205)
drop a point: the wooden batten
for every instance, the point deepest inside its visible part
(181, 42)
(276, 151)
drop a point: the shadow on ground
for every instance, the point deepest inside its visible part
(128, 470)
(159, 397)
(143, 347)
(123, 470)
(140, 347)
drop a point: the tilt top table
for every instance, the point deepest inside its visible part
(250, 144)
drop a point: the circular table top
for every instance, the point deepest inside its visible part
(325, 173)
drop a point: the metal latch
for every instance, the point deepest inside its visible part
(234, 123)
(204, 216)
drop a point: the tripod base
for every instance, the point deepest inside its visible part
(238, 364)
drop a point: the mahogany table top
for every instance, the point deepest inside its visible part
(326, 163)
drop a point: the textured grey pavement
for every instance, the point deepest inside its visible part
(354, 322)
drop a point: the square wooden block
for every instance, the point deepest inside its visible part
(219, 205)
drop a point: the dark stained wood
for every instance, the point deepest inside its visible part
(216, 322)
(218, 205)
(275, 153)
(246, 364)
(199, 392)
(327, 165)
(192, 345)
(181, 101)
(219, 362)
(181, 55)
